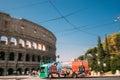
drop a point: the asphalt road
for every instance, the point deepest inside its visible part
(90, 78)
(114, 77)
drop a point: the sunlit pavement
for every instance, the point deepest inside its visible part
(104, 77)
(13, 77)
(20, 78)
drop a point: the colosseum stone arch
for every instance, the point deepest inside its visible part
(23, 44)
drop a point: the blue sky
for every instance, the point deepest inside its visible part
(75, 23)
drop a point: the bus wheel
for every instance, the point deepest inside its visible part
(65, 75)
(74, 75)
(50, 76)
(58, 75)
(83, 75)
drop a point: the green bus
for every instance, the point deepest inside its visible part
(45, 71)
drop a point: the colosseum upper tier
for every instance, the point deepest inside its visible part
(23, 45)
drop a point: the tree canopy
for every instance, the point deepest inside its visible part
(107, 52)
(113, 43)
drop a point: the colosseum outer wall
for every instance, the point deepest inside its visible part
(23, 44)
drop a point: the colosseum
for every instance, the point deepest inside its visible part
(23, 45)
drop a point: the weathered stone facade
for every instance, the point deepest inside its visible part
(23, 44)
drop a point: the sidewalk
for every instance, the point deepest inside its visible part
(14, 77)
(28, 77)
(105, 75)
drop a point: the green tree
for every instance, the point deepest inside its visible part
(101, 54)
(92, 51)
(106, 59)
(114, 43)
(81, 57)
(91, 56)
(115, 63)
(105, 51)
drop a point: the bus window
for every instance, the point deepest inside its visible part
(42, 70)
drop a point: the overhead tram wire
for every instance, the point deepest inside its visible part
(101, 25)
(93, 27)
(61, 14)
(85, 27)
(51, 20)
(69, 14)
(68, 20)
(29, 5)
(72, 13)
(55, 8)
(77, 27)
(73, 32)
